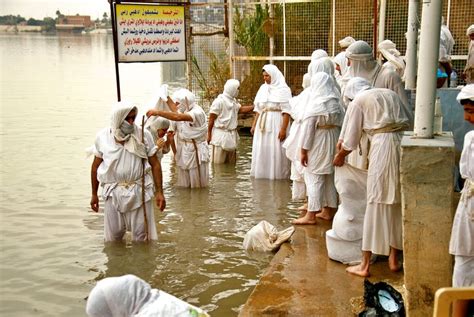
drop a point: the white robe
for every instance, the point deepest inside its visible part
(269, 160)
(186, 159)
(225, 137)
(119, 175)
(375, 109)
(462, 235)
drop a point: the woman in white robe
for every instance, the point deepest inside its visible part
(270, 127)
(462, 234)
(129, 295)
(192, 150)
(321, 118)
(378, 112)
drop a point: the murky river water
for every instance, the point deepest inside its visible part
(56, 94)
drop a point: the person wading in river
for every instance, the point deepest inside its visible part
(192, 150)
(118, 167)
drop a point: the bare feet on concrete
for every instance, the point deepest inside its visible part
(308, 219)
(358, 270)
(326, 214)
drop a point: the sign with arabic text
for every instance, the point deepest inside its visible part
(150, 33)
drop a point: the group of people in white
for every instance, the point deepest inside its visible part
(349, 118)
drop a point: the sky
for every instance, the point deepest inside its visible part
(38, 9)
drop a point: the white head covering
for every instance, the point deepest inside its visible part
(184, 97)
(155, 123)
(363, 63)
(345, 42)
(341, 60)
(306, 81)
(118, 297)
(388, 49)
(277, 91)
(325, 65)
(353, 87)
(317, 54)
(467, 92)
(322, 99)
(132, 141)
(470, 30)
(231, 88)
(446, 44)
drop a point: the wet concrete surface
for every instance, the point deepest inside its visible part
(302, 281)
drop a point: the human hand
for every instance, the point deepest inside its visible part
(95, 203)
(252, 130)
(152, 112)
(339, 145)
(338, 160)
(160, 201)
(282, 135)
(304, 157)
(160, 143)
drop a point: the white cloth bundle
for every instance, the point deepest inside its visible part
(265, 237)
(128, 295)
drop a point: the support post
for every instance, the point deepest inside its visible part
(426, 81)
(230, 12)
(114, 33)
(383, 13)
(412, 37)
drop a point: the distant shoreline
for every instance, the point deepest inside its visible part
(39, 29)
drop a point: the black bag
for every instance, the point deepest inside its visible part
(381, 299)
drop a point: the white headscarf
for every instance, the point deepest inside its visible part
(388, 49)
(446, 43)
(121, 296)
(345, 42)
(132, 141)
(317, 54)
(467, 92)
(228, 96)
(353, 87)
(325, 65)
(322, 99)
(306, 81)
(155, 123)
(341, 60)
(277, 91)
(363, 63)
(470, 30)
(185, 98)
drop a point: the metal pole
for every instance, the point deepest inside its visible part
(448, 18)
(333, 27)
(374, 28)
(426, 81)
(284, 37)
(230, 13)
(412, 36)
(383, 13)
(114, 33)
(272, 36)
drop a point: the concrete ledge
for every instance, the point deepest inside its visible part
(302, 281)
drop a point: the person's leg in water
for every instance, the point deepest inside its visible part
(330, 198)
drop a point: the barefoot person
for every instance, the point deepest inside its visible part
(222, 132)
(462, 234)
(118, 168)
(322, 117)
(378, 112)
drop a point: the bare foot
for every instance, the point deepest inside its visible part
(394, 264)
(358, 270)
(303, 213)
(325, 214)
(308, 219)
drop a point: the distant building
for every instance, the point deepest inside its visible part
(73, 23)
